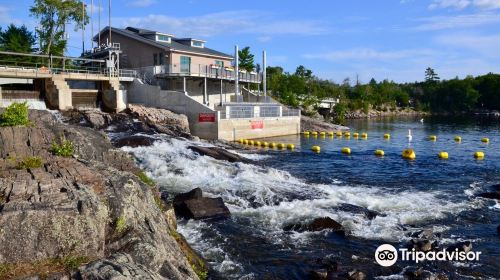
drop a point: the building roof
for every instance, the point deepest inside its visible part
(174, 45)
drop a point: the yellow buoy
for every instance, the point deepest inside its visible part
(443, 155)
(364, 135)
(257, 143)
(339, 133)
(330, 133)
(290, 146)
(316, 149)
(458, 139)
(305, 132)
(409, 154)
(387, 136)
(346, 150)
(379, 153)
(264, 144)
(479, 155)
(245, 142)
(241, 140)
(355, 135)
(433, 137)
(322, 133)
(281, 146)
(485, 140)
(347, 134)
(272, 145)
(314, 133)
(251, 142)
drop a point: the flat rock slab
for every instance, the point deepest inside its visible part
(202, 208)
(135, 141)
(219, 153)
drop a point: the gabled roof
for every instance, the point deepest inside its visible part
(173, 45)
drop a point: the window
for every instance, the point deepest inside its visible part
(197, 44)
(163, 38)
(185, 64)
(219, 63)
(161, 56)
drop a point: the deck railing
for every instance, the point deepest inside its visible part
(200, 70)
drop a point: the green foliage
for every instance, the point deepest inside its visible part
(430, 75)
(15, 114)
(73, 262)
(145, 179)
(30, 163)
(17, 39)
(246, 59)
(53, 15)
(4, 269)
(65, 149)
(120, 225)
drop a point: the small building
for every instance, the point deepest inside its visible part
(185, 76)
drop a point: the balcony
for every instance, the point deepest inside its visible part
(199, 70)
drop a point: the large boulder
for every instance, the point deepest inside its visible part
(192, 205)
(490, 195)
(90, 206)
(218, 153)
(134, 141)
(164, 121)
(318, 224)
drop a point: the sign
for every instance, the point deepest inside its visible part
(206, 117)
(257, 124)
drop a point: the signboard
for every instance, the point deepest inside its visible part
(206, 117)
(257, 124)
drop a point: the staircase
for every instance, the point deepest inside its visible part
(58, 93)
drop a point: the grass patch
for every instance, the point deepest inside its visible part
(197, 263)
(65, 149)
(145, 179)
(42, 268)
(15, 114)
(120, 225)
(30, 163)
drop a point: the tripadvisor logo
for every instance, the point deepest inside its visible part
(387, 255)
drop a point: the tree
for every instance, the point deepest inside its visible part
(17, 39)
(245, 59)
(303, 72)
(430, 75)
(53, 16)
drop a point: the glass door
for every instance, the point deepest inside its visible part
(185, 64)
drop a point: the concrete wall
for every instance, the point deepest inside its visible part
(194, 88)
(177, 102)
(234, 129)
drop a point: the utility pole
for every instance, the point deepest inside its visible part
(92, 24)
(109, 17)
(83, 27)
(99, 24)
(237, 72)
(264, 74)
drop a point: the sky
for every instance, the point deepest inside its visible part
(384, 39)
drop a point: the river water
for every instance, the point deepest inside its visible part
(285, 187)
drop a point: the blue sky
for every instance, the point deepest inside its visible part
(385, 39)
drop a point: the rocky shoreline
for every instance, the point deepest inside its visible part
(91, 215)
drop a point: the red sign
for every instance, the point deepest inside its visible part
(206, 117)
(257, 124)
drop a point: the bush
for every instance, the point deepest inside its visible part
(65, 149)
(15, 114)
(30, 163)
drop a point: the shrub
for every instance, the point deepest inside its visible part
(65, 149)
(73, 262)
(30, 163)
(15, 114)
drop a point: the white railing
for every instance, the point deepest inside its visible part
(249, 111)
(199, 70)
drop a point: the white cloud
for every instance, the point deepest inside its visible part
(264, 39)
(462, 4)
(223, 23)
(141, 3)
(485, 45)
(460, 21)
(363, 54)
(6, 18)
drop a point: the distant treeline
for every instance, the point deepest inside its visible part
(304, 89)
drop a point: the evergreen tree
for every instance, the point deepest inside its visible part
(246, 59)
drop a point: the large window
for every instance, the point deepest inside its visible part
(185, 64)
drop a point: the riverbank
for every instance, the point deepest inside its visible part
(397, 112)
(73, 206)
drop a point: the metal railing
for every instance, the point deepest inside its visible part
(247, 111)
(200, 70)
